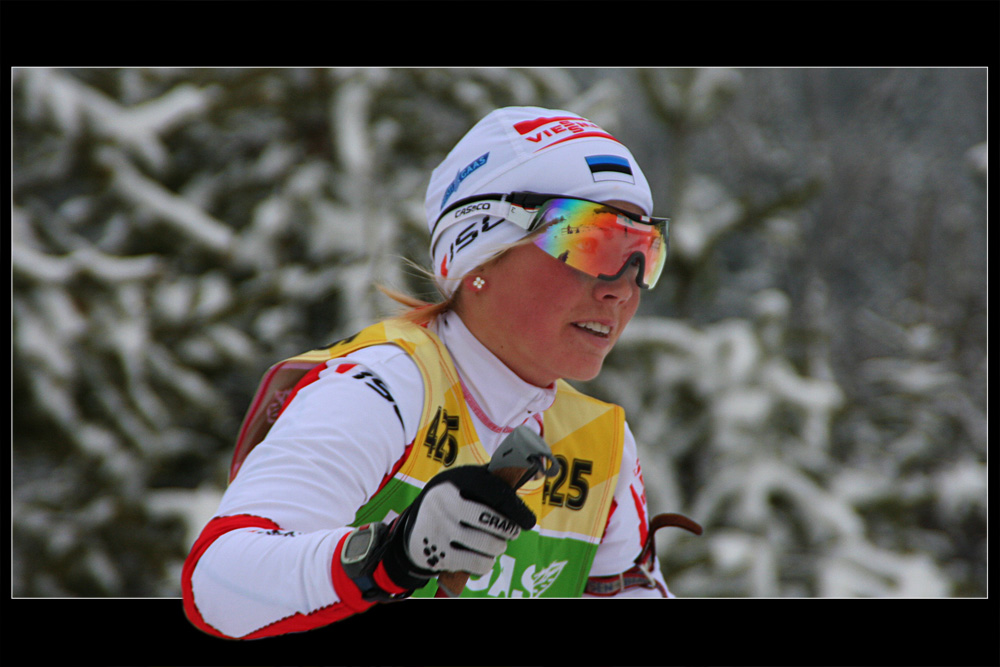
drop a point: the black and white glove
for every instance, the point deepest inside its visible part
(461, 522)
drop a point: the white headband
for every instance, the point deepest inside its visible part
(521, 149)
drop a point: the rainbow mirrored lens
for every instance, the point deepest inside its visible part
(602, 241)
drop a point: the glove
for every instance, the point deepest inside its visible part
(461, 521)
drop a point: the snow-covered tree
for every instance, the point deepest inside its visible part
(817, 469)
(808, 382)
(175, 232)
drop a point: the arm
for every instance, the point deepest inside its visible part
(271, 562)
(627, 528)
(266, 564)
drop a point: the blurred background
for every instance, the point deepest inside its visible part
(808, 381)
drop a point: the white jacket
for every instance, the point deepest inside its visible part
(327, 455)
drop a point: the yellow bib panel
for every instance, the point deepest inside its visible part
(586, 436)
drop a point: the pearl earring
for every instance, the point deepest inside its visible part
(478, 283)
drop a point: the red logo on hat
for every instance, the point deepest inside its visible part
(547, 132)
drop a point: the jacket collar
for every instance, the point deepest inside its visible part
(498, 399)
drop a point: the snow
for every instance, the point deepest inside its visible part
(705, 214)
(349, 107)
(960, 487)
(149, 295)
(978, 157)
(195, 506)
(188, 220)
(73, 105)
(860, 569)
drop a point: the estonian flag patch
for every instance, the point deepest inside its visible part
(610, 168)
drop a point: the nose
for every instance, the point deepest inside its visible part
(621, 289)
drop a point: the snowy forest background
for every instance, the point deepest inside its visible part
(809, 382)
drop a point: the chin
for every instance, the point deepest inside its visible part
(584, 373)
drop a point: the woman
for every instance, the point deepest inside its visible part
(372, 482)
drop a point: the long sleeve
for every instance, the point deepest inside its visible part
(628, 526)
(264, 565)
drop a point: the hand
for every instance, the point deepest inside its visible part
(460, 522)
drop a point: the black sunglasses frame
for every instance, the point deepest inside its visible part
(535, 200)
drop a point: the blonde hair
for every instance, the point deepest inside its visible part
(418, 311)
(415, 309)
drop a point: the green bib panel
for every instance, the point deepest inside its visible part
(586, 436)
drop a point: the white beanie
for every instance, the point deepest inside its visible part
(522, 149)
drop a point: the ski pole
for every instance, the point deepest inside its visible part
(522, 455)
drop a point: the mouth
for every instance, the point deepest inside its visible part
(597, 329)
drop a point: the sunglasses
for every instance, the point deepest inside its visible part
(601, 240)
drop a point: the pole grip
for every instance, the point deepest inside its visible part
(522, 455)
(451, 584)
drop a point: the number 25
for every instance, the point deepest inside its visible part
(575, 473)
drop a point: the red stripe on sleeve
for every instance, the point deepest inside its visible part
(213, 530)
(643, 521)
(351, 602)
(611, 513)
(306, 380)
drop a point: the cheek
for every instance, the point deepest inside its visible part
(633, 304)
(534, 281)
(537, 293)
(533, 310)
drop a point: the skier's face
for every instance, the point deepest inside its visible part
(545, 320)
